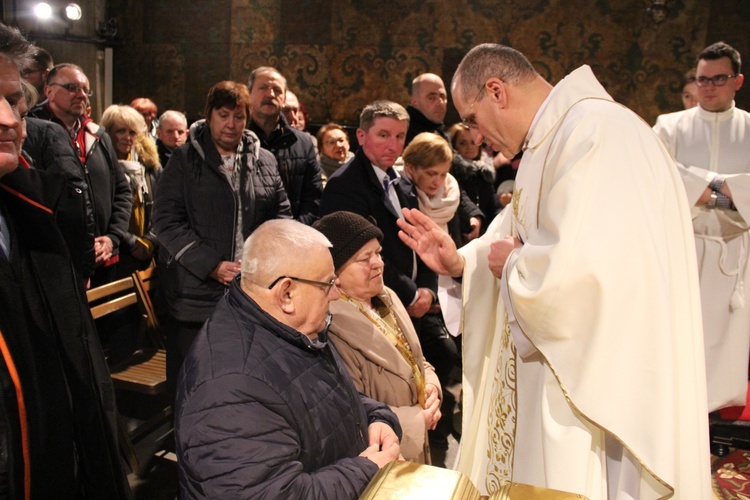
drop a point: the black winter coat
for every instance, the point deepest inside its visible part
(264, 412)
(298, 167)
(48, 144)
(109, 192)
(50, 340)
(195, 213)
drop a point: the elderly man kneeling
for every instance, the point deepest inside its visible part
(264, 405)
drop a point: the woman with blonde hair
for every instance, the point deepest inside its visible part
(139, 159)
(427, 161)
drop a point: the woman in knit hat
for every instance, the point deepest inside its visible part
(374, 335)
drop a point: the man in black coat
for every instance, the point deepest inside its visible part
(67, 90)
(265, 406)
(57, 415)
(293, 149)
(369, 186)
(427, 109)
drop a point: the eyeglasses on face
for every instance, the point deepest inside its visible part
(471, 118)
(334, 142)
(31, 71)
(717, 80)
(74, 88)
(327, 285)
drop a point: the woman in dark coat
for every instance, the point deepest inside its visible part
(216, 189)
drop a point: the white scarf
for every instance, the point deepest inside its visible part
(442, 207)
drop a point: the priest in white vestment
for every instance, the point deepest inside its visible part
(583, 352)
(711, 144)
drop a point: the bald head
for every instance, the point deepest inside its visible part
(429, 97)
(274, 249)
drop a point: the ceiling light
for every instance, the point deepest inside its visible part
(73, 12)
(43, 11)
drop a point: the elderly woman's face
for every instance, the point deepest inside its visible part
(429, 179)
(361, 277)
(227, 125)
(335, 145)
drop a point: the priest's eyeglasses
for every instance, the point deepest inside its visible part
(325, 284)
(471, 119)
(717, 80)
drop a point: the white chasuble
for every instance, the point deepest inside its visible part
(602, 309)
(706, 144)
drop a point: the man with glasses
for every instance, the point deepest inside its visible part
(265, 406)
(711, 144)
(68, 93)
(583, 355)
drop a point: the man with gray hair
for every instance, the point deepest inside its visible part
(171, 133)
(57, 437)
(265, 406)
(583, 348)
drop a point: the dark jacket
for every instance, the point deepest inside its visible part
(298, 167)
(195, 215)
(419, 123)
(51, 342)
(355, 188)
(264, 412)
(108, 189)
(48, 144)
(476, 180)
(164, 152)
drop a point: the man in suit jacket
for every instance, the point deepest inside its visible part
(369, 186)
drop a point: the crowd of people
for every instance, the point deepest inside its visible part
(318, 300)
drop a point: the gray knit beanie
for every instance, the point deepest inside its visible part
(347, 232)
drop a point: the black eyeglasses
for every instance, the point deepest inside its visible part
(74, 88)
(717, 80)
(327, 285)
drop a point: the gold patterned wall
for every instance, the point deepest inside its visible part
(339, 56)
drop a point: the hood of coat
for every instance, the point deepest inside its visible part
(146, 153)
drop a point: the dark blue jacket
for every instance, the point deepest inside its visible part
(264, 412)
(298, 168)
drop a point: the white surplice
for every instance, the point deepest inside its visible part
(590, 378)
(706, 144)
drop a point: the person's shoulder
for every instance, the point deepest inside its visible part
(351, 170)
(675, 116)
